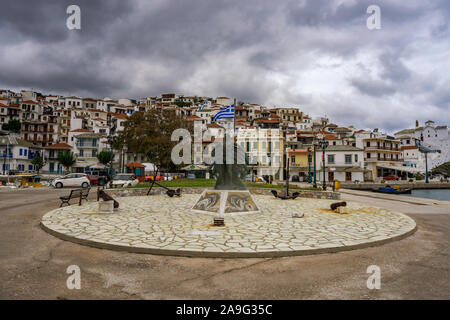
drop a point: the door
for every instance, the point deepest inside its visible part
(70, 180)
(348, 176)
(330, 176)
(80, 178)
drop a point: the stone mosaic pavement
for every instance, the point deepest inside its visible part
(161, 225)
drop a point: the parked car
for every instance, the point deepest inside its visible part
(191, 176)
(391, 177)
(93, 179)
(157, 178)
(124, 180)
(72, 180)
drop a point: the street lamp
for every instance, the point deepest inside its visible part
(110, 139)
(314, 173)
(323, 145)
(309, 164)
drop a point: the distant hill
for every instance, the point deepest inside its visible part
(442, 169)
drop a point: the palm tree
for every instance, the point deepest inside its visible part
(67, 159)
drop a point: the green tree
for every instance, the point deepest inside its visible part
(182, 104)
(442, 169)
(105, 157)
(12, 125)
(67, 159)
(38, 162)
(150, 133)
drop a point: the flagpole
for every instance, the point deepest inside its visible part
(234, 117)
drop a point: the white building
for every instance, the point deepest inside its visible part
(264, 150)
(16, 154)
(342, 163)
(431, 136)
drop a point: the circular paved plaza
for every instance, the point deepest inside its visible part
(158, 224)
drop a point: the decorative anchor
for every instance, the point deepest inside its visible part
(169, 192)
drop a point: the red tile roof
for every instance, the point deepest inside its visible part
(120, 116)
(214, 125)
(409, 147)
(80, 130)
(59, 146)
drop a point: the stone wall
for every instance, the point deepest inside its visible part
(129, 192)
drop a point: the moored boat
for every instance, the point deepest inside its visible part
(392, 190)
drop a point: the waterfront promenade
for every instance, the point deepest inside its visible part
(34, 263)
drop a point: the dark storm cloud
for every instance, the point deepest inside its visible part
(316, 54)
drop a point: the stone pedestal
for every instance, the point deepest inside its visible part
(222, 203)
(106, 206)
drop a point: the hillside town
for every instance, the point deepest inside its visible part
(50, 124)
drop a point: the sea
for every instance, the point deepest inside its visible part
(436, 194)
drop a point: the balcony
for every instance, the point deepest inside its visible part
(374, 159)
(87, 145)
(374, 148)
(32, 155)
(7, 156)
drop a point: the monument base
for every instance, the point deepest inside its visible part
(222, 203)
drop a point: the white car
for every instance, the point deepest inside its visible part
(124, 180)
(72, 180)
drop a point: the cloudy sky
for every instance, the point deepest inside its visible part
(318, 54)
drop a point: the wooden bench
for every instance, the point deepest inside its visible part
(80, 194)
(85, 193)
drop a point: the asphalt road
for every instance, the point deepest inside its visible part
(33, 263)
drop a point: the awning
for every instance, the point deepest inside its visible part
(135, 165)
(399, 168)
(83, 164)
(98, 166)
(195, 167)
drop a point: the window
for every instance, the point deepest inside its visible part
(276, 160)
(356, 158)
(25, 151)
(368, 143)
(292, 159)
(331, 158)
(20, 152)
(348, 158)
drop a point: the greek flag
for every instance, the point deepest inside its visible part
(225, 113)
